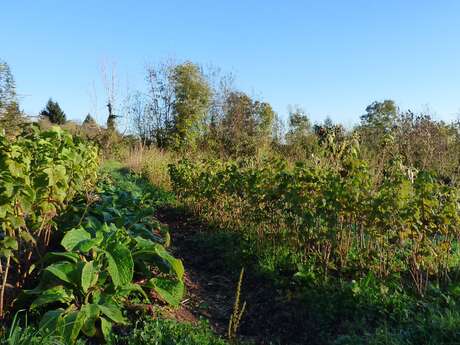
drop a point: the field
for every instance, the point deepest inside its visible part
(330, 253)
(204, 222)
(80, 246)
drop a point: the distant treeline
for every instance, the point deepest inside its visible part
(186, 107)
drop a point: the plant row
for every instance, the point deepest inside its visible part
(41, 172)
(114, 260)
(334, 215)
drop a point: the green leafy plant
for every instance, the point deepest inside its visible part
(94, 279)
(41, 172)
(165, 332)
(332, 214)
(105, 267)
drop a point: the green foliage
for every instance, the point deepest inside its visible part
(53, 113)
(27, 335)
(380, 115)
(192, 100)
(301, 142)
(246, 125)
(168, 332)
(333, 215)
(371, 256)
(299, 124)
(11, 117)
(40, 174)
(7, 86)
(115, 255)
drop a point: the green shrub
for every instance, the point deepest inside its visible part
(41, 172)
(169, 332)
(115, 257)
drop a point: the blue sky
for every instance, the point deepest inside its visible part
(331, 57)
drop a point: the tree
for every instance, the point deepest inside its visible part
(7, 86)
(111, 119)
(380, 115)
(222, 85)
(300, 139)
(427, 144)
(53, 113)
(328, 129)
(379, 120)
(299, 125)
(89, 121)
(11, 117)
(247, 124)
(183, 105)
(192, 100)
(278, 132)
(151, 113)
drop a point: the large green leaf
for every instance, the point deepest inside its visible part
(156, 253)
(15, 168)
(171, 291)
(49, 322)
(10, 243)
(92, 313)
(120, 264)
(86, 245)
(175, 264)
(112, 312)
(74, 237)
(55, 174)
(55, 294)
(65, 271)
(88, 275)
(56, 256)
(128, 289)
(106, 327)
(72, 325)
(142, 231)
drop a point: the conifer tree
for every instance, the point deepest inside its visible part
(11, 116)
(89, 121)
(53, 113)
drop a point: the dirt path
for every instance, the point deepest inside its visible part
(211, 284)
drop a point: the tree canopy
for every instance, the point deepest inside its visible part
(53, 113)
(192, 101)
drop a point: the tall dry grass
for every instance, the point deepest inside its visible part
(151, 163)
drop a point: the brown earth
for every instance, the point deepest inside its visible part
(211, 288)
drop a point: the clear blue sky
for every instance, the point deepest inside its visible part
(331, 57)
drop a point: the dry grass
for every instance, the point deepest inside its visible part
(151, 163)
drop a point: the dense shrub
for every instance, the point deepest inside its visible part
(334, 215)
(40, 174)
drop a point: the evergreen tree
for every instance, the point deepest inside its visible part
(7, 86)
(11, 119)
(11, 116)
(53, 113)
(89, 121)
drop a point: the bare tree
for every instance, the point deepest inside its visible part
(111, 86)
(161, 97)
(152, 113)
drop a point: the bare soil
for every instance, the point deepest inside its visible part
(211, 287)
